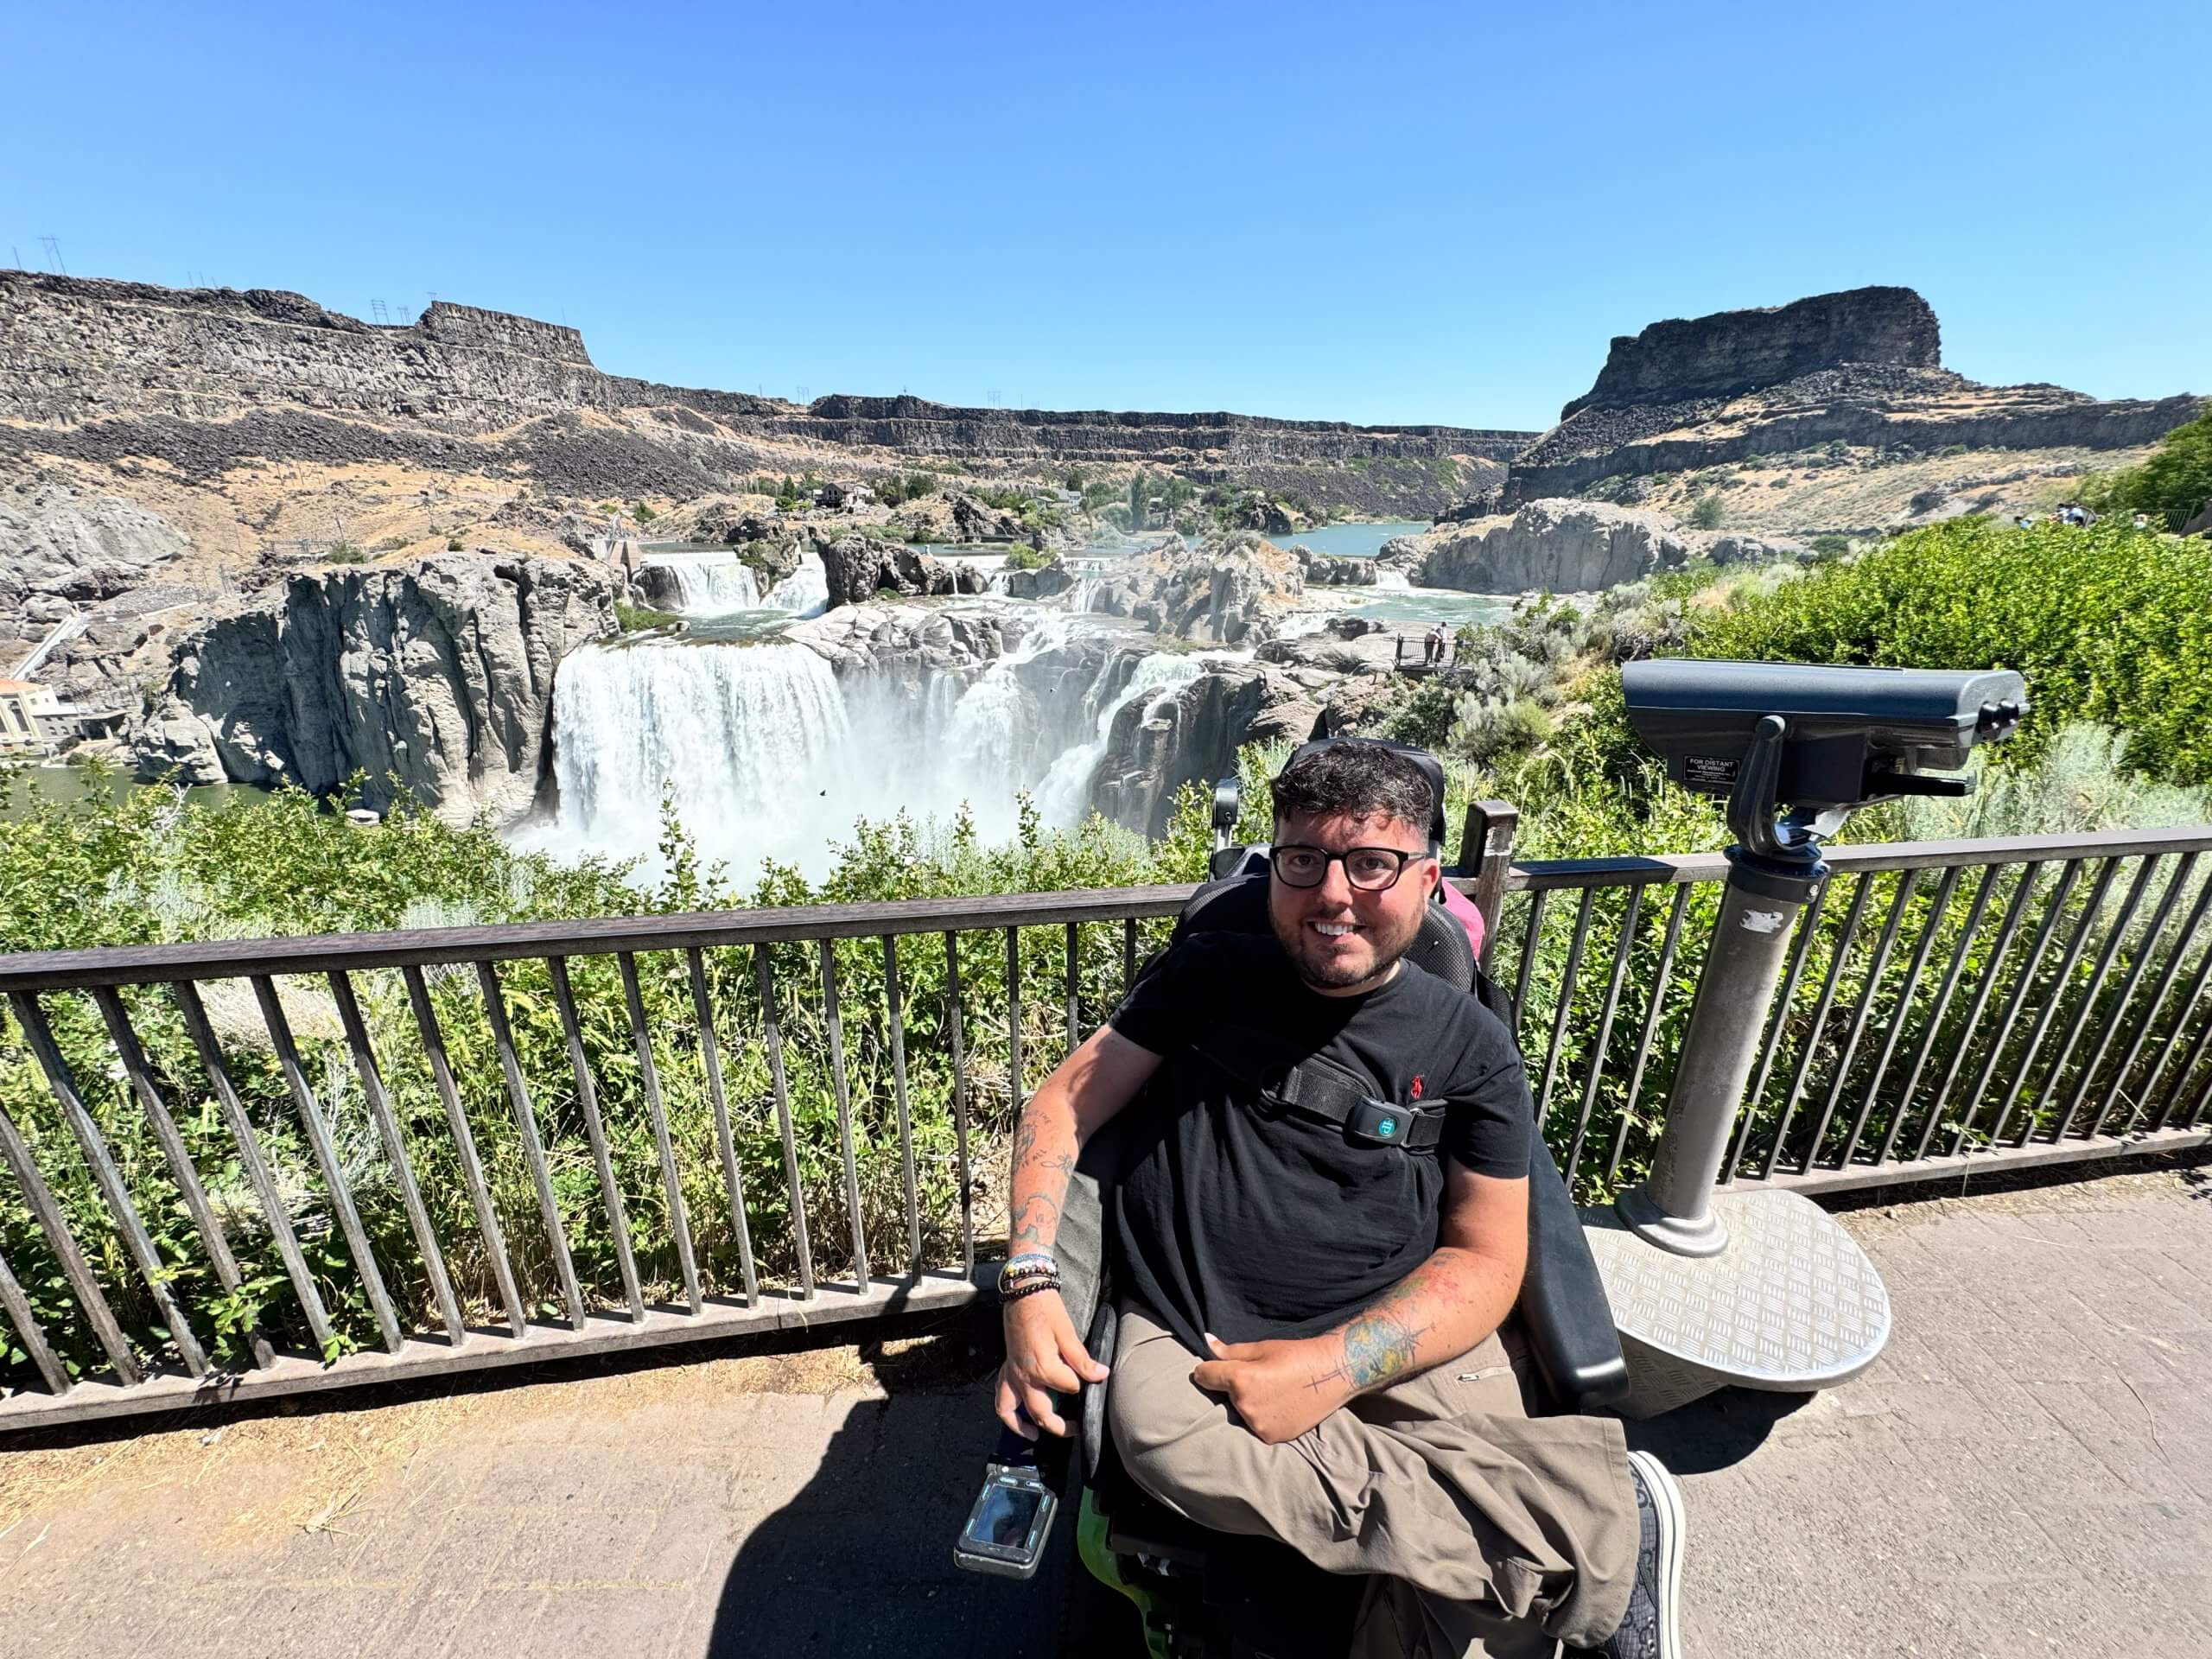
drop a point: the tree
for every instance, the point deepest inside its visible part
(1137, 502)
(1707, 511)
(2174, 484)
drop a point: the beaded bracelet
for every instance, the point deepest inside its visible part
(1009, 1278)
(1028, 1290)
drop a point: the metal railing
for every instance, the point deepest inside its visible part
(240, 1169)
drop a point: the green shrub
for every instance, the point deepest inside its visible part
(1707, 511)
(1021, 556)
(344, 553)
(453, 544)
(1831, 546)
(635, 619)
(2108, 623)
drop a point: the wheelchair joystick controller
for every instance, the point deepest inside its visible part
(1761, 1289)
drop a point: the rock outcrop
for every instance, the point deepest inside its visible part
(434, 679)
(1220, 593)
(1732, 351)
(860, 566)
(1575, 547)
(1157, 747)
(1858, 370)
(63, 553)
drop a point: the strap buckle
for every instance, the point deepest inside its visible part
(1378, 1122)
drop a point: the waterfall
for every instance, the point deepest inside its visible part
(771, 754)
(1063, 797)
(714, 587)
(1391, 579)
(806, 592)
(752, 740)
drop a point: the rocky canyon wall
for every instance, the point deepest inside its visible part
(437, 678)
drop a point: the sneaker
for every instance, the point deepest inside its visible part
(1653, 1626)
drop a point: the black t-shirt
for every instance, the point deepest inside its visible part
(1254, 1225)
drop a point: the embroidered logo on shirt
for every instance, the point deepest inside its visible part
(1418, 1080)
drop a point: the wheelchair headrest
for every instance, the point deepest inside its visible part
(1238, 904)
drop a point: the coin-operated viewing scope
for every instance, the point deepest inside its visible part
(1820, 742)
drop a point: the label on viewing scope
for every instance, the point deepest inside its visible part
(1708, 769)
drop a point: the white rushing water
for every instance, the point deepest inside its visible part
(714, 587)
(770, 754)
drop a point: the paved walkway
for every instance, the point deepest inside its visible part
(2027, 1471)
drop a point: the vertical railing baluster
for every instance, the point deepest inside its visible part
(2177, 1094)
(710, 1061)
(1565, 1007)
(1621, 955)
(1923, 947)
(1128, 954)
(2025, 1068)
(2168, 902)
(326, 1158)
(1844, 940)
(2149, 1092)
(1900, 901)
(2016, 911)
(2053, 913)
(1652, 1014)
(835, 1026)
(87, 1133)
(533, 1150)
(2150, 1019)
(1074, 988)
(1778, 1020)
(1932, 1028)
(956, 1043)
(257, 1167)
(29, 1333)
(610, 1191)
(210, 1226)
(395, 1152)
(472, 1168)
(679, 1218)
(771, 1037)
(895, 1007)
(2205, 1099)
(1532, 936)
(2085, 1005)
(51, 1222)
(1013, 1081)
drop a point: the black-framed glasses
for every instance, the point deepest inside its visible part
(1370, 869)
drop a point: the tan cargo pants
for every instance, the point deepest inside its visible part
(1487, 1532)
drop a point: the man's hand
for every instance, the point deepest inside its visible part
(1280, 1389)
(1043, 1357)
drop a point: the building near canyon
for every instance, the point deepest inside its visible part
(30, 717)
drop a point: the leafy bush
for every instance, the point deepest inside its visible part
(1021, 556)
(1707, 511)
(346, 553)
(635, 619)
(2107, 624)
(1831, 546)
(2173, 484)
(453, 544)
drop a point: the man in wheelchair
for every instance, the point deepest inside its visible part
(1317, 1220)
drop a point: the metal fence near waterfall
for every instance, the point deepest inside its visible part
(235, 1170)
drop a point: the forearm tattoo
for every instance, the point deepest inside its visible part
(1038, 1185)
(1384, 1342)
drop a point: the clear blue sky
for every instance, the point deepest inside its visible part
(1379, 213)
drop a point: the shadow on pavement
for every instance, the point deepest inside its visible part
(1713, 1432)
(859, 1560)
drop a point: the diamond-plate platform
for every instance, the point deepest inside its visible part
(1792, 1304)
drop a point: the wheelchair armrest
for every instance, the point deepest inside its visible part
(1563, 1309)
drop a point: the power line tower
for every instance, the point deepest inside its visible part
(54, 252)
(377, 310)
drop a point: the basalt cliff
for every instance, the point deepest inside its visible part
(1774, 399)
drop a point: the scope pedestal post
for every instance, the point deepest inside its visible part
(1704, 1284)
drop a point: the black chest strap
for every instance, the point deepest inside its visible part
(1317, 1088)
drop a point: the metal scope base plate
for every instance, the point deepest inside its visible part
(1792, 1304)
